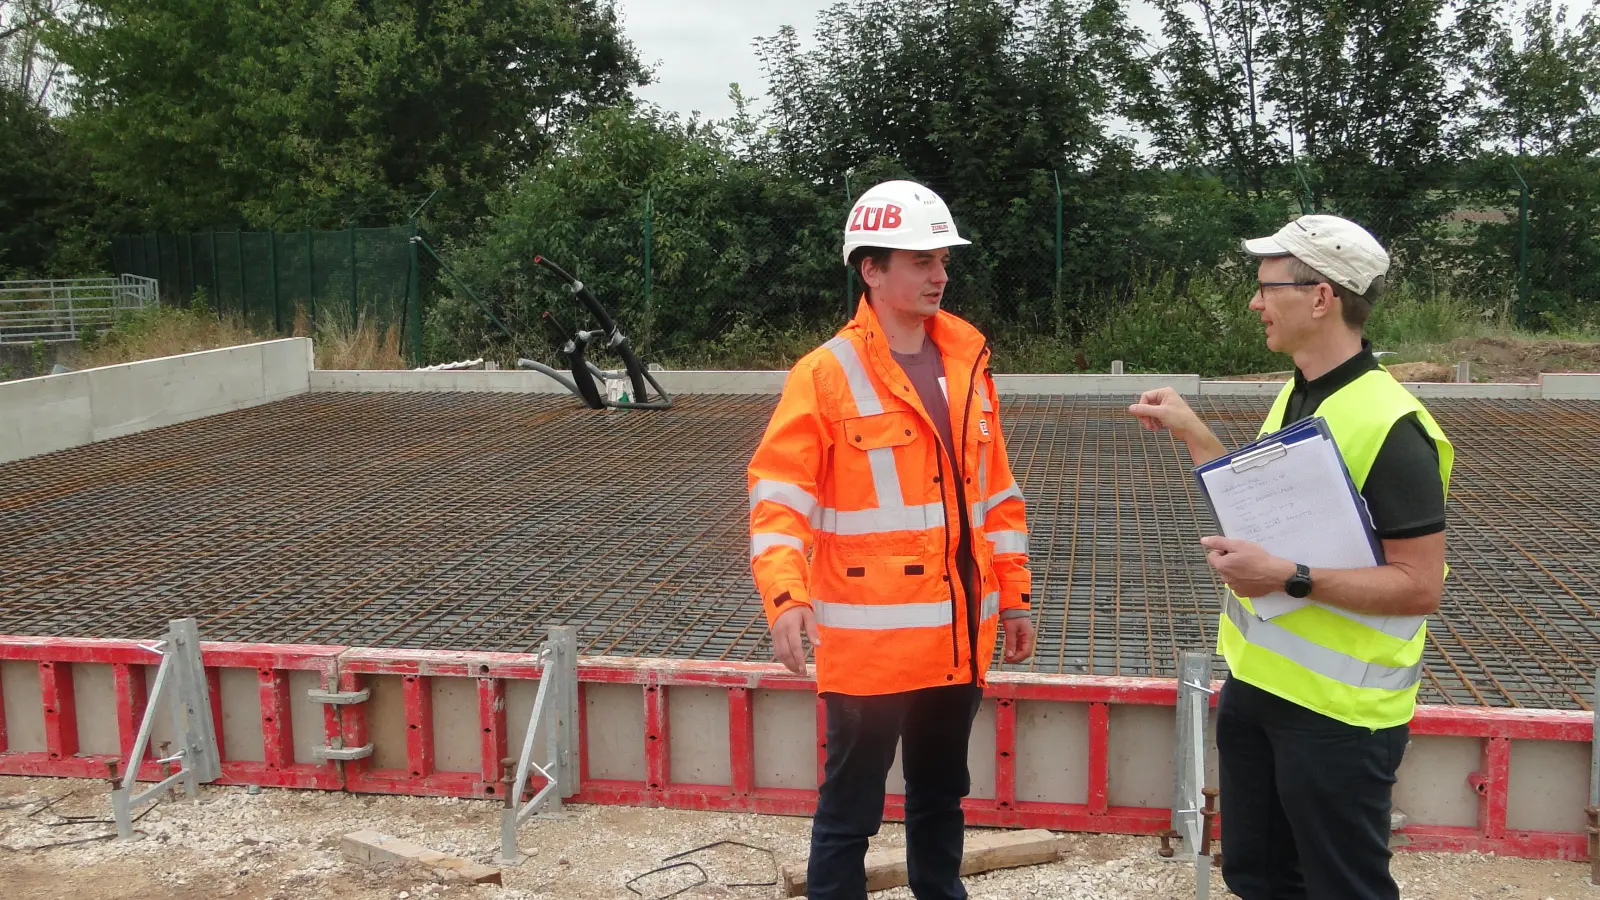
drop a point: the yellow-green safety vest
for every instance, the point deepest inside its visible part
(1359, 669)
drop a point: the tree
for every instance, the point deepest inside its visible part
(731, 242)
(1215, 77)
(307, 112)
(1363, 88)
(47, 201)
(1542, 93)
(26, 66)
(986, 102)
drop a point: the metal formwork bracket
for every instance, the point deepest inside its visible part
(340, 698)
(1193, 804)
(342, 754)
(555, 711)
(181, 682)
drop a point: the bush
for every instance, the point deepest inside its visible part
(1206, 327)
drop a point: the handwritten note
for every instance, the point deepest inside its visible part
(1298, 506)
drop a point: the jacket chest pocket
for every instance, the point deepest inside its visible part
(884, 460)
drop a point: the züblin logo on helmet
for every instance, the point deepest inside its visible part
(876, 218)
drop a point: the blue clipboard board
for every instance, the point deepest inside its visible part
(1269, 448)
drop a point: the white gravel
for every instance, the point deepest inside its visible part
(280, 845)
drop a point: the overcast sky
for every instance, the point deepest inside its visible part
(697, 47)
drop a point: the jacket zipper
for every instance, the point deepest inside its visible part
(966, 422)
(955, 643)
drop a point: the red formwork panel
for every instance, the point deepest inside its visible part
(416, 669)
(128, 659)
(353, 668)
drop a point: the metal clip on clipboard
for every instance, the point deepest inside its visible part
(1257, 458)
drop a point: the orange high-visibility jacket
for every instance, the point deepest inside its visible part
(851, 476)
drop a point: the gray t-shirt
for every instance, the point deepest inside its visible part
(925, 368)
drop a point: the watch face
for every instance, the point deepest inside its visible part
(1299, 584)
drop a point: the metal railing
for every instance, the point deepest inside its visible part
(62, 309)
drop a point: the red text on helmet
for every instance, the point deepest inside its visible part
(874, 218)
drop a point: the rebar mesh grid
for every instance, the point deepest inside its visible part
(473, 521)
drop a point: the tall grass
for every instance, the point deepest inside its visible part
(157, 331)
(339, 345)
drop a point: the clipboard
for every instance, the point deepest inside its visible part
(1297, 469)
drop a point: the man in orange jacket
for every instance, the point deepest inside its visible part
(886, 528)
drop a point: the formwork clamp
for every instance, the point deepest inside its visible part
(340, 698)
(337, 753)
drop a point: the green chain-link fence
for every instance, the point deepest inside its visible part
(279, 282)
(759, 285)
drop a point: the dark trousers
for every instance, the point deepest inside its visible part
(935, 725)
(1305, 800)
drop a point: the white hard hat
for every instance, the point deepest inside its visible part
(1338, 248)
(900, 215)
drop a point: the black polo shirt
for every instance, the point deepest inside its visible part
(1403, 490)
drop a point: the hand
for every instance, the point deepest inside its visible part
(1247, 568)
(786, 633)
(1166, 408)
(1019, 638)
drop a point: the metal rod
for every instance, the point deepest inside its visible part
(151, 705)
(139, 800)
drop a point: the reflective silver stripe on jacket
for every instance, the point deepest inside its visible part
(1315, 657)
(861, 389)
(761, 543)
(884, 617)
(885, 476)
(793, 496)
(1009, 541)
(882, 521)
(980, 509)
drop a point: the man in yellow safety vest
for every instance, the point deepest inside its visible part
(1313, 719)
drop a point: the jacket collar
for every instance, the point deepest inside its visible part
(955, 337)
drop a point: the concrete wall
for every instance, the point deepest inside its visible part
(56, 412)
(1569, 387)
(1550, 387)
(474, 381)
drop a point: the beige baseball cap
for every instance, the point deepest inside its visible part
(1340, 249)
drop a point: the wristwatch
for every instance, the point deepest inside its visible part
(1299, 584)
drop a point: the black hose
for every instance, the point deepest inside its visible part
(638, 375)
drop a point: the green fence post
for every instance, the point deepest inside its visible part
(272, 263)
(649, 316)
(188, 296)
(161, 270)
(1307, 205)
(850, 275)
(354, 302)
(311, 280)
(1061, 303)
(414, 297)
(238, 253)
(216, 286)
(1522, 252)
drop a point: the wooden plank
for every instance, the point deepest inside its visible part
(371, 846)
(981, 853)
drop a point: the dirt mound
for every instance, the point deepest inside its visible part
(1422, 371)
(1519, 359)
(1496, 359)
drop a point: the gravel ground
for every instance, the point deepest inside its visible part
(284, 845)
